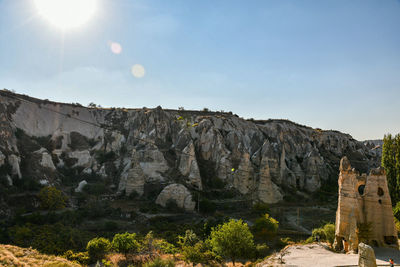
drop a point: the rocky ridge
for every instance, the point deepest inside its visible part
(169, 152)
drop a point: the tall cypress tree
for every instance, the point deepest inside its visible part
(391, 163)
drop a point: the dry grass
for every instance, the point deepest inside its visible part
(16, 256)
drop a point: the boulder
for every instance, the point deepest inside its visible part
(81, 185)
(178, 193)
(366, 256)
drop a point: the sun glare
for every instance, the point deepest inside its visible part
(66, 14)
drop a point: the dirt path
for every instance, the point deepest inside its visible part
(317, 255)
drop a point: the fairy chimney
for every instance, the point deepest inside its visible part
(364, 203)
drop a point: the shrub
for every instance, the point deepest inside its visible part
(198, 253)
(158, 262)
(262, 250)
(265, 226)
(232, 239)
(125, 243)
(81, 257)
(51, 198)
(189, 239)
(396, 211)
(325, 233)
(260, 208)
(98, 248)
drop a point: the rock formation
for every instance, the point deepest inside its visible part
(366, 256)
(200, 150)
(364, 209)
(178, 194)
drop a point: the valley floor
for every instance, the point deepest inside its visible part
(318, 255)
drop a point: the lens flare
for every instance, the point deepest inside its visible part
(138, 71)
(115, 47)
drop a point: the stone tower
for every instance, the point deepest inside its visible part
(363, 199)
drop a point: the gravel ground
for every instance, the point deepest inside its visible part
(316, 255)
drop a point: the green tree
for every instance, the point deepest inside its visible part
(189, 239)
(51, 198)
(125, 243)
(391, 163)
(265, 226)
(98, 248)
(232, 239)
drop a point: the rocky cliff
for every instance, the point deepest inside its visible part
(169, 153)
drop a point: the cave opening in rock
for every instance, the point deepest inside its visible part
(380, 192)
(361, 189)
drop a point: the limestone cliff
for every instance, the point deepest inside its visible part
(142, 150)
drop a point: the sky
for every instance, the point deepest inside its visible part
(332, 64)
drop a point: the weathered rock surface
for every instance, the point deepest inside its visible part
(177, 193)
(259, 159)
(366, 256)
(363, 200)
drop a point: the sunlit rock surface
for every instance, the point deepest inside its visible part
(200, 150)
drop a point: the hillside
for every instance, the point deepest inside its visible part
(24, 257)
(152, 169)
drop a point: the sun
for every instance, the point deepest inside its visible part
(66, 14)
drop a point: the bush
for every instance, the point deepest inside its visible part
(125, 243)
(265, 226)
(158, 262)
(98, 248)
(232, 239)
(81, 257)
(189, 239)
(262, 250)
(260, 208)
(51, 198)
(198, 253)
(396, 211)
(325, 233)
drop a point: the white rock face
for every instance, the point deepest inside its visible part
(2, 158)
(268, 192)
(81, 185)
(366, 256)
(14, 161)
(188, 166)
(179, 193)
(84, 158)
(65, 139)
(47, 161)
(9, 180)
(134, 178)
(153, 164)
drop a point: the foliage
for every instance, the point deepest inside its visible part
(260, 208)
(206, 206)
(81, 257)
(98, 248)
(158, 262)
(396, 211)
(125, 243)
(364, 232)
(232, 239)
(265, 226)
(262, 250)
(391, 163)
(51, 198)
(198, 253)
(49, 238)
(325, 233)
(189, 239)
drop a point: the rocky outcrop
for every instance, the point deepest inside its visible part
(364, 206)
(261, 160)
(366, 256)
(178, 194)
(80, 186)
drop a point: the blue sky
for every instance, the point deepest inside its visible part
(332, 64)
